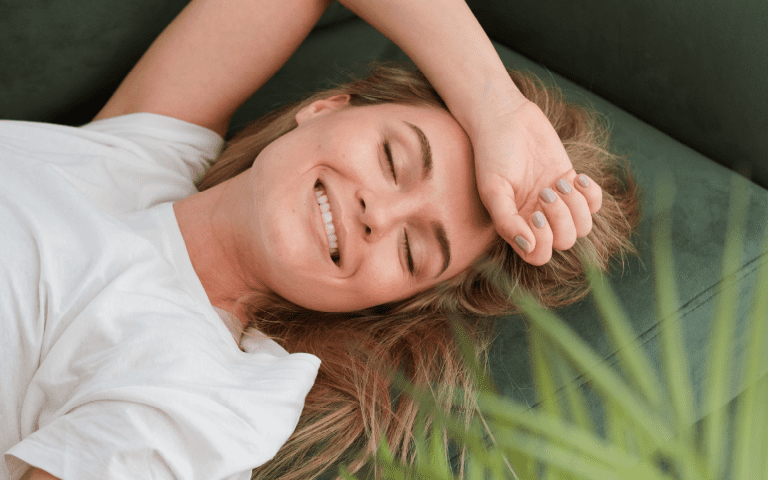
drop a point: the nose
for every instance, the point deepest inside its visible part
(381, 212)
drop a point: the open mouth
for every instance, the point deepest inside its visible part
(330, 229)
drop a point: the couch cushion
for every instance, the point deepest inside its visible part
(696, 70)
(699, 221)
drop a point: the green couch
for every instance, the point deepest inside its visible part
(683, 85)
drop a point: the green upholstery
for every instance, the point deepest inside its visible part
(61, 61)
(697, 70)
(699, 219)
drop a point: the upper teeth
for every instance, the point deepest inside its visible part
(330, 230)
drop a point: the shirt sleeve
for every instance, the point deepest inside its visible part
(160, 403)
(171, 143)
(123, 164)
(126, 440)
(143, 159)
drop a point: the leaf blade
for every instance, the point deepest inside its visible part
(721, 336)
(747, 462)
(636, 364)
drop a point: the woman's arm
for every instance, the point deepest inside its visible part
(449, 46)
(517, 151)
(216, 54)
(213, 57)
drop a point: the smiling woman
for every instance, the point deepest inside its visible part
(158, 331)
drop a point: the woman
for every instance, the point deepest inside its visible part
(364, 200)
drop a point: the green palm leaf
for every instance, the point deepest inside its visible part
(749, 449)
(631, 356)
(721, 337)
(673, 349)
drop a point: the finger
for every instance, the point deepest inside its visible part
(577, 204)
(509, 224)
(543, 233)
(591, 191)
(518, 234)
(559, 218)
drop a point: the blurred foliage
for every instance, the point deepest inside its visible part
(648, 425)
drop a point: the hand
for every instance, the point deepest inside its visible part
(521, 165)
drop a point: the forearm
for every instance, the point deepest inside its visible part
(213, 57)
(446, 42)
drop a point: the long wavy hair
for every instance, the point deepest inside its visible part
(351, 405)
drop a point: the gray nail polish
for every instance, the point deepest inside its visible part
(522, 243)
(539, 220)
(583, 181)
(548, 195)
(563, 186)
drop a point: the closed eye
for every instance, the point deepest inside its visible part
(388, 152)
(408, 254)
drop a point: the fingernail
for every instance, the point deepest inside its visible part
(539, 220)
(548, 195)
(583, 181)
(522, 243)
(563, 186)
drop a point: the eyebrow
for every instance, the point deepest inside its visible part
(426, 152)
(445, 245)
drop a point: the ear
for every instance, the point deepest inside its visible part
(321, 107)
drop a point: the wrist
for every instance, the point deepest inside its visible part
(495, 96)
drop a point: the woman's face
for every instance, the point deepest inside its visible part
(399, 228)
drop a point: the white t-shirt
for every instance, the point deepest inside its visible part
(113, 363)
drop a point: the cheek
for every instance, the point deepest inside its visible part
(368, 287)
(285, 158)
(280, 243)
(379, 282)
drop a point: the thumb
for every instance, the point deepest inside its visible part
(509, 224)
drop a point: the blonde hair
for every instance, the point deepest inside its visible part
(349, 408)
